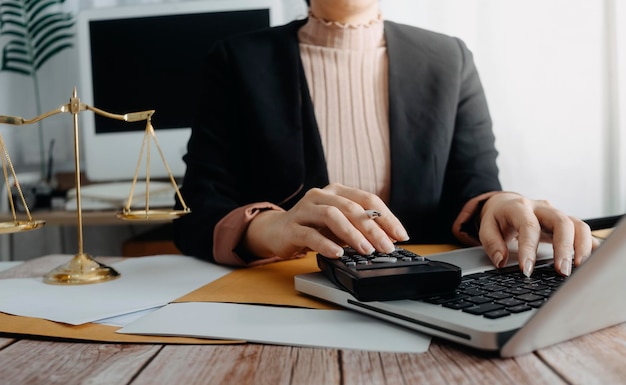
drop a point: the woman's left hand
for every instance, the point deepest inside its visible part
(506, 216)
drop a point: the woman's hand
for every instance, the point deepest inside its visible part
(325, 220)
(506, 216)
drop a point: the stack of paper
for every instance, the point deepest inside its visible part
(145, 283)
(142, 301)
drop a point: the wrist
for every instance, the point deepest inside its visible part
(257, 239)
(465, 227)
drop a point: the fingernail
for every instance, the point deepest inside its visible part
(388, 246)
(497, 259)
(528, 267)
(566, 267)
(584, 258)
(369, 249)
(401, 234)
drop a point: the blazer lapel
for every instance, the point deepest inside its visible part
(415, 164)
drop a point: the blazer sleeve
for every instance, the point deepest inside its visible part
(213, 180)
(247, 141)
(472, 169)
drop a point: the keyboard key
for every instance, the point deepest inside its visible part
(382, 259)
(508, 302)
(537, 304)
(545, 293)
(479, 299)
(519, 308)
(494, 287)
(529, 297)
(517, 291)
(499, 295)
(474, 292)
(457, 305)
(483, 308)
(439, 300)
(535, 286)
(497, 314)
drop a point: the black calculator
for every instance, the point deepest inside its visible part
(400, 274)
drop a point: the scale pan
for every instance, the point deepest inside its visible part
(151, 215)
(18, 226)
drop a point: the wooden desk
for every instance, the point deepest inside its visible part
(597, 358)
(594, 359)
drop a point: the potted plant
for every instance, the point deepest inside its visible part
(34, 31)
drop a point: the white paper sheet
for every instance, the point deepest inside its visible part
(6, 265)
(125, 319)
(341, 329)
(145, 283)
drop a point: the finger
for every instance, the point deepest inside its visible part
(373, 231)
(342, 227)
(308, 237)
(351, 203)
(493, 242)
(529, 232)
(517, 217)
(327, 221)
(387, 221)
(351, 223)
(584, 242)
(563, 233)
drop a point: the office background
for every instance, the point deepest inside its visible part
(554, 72)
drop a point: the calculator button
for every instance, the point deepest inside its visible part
(384, 259)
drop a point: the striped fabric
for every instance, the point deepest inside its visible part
(346, 71)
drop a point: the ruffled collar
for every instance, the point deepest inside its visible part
(332, 34)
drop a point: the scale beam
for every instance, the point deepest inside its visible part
(83, 269)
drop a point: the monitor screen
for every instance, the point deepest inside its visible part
(155, 63)
(150, 57)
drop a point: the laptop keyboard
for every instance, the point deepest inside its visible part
(501, 292)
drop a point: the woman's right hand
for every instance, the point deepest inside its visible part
(325, 220)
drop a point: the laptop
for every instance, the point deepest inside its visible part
(592, 298)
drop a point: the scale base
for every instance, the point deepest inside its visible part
(82, 269)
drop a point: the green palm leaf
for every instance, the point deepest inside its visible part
(36, 33)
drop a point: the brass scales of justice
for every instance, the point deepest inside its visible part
(82, 268)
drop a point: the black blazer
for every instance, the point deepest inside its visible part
(255, 138)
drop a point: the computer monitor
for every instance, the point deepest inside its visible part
(150, 57)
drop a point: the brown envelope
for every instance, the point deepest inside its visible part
(27, 326)
(270, 284)
(273, 284)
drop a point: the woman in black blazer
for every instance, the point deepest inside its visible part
(257, 180)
